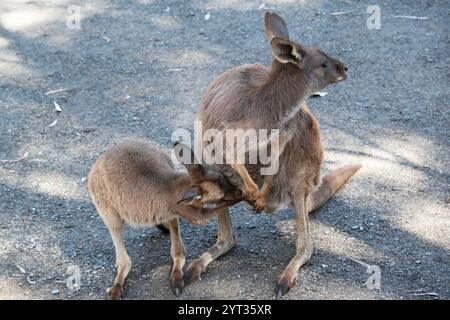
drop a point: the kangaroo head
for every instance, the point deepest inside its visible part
(209, 187)
(320, 69)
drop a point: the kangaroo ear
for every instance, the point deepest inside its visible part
(274, 26)
(286, 51)
(187, 158)
(189, 196)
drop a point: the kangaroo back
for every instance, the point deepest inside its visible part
(135, 179)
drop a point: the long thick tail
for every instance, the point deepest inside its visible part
(330, 184)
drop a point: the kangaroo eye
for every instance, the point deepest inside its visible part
(324, 65)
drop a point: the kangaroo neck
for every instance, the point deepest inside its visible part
(285, 89)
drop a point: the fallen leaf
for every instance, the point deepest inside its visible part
(339, 13)
(433, 294)
(55, 91)
(57, 106)
(25, 155)
(411, 17)
(21, 269)
(53, 123)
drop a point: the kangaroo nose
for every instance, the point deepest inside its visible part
(346, 68)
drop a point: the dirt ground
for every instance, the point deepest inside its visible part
(137, 68)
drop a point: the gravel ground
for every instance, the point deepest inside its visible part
(138, 68)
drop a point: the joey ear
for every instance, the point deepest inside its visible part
(274, 26)
(190, 195)
(286, 51)
(187, 158)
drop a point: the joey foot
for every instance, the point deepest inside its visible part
(259, 204)
(115, 292)
(193, 273)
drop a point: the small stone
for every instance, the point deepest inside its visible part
(88, 130)
(55, 291)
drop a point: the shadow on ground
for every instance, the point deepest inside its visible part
(138, 69)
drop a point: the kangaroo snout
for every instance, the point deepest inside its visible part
(341, 70)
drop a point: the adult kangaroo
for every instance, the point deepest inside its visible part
(255, 96)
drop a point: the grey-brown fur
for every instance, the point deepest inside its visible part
(135, 182)
(254, 96)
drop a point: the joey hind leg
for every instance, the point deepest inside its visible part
(303, 245)
(226, 240)
(178, 254)
(123, 262)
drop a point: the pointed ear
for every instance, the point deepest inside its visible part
(187, 158)
(286, 51)
(274, 26)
